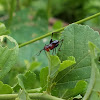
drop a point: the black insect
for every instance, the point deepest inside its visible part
(52, 45)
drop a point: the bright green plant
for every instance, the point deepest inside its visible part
(72, 72)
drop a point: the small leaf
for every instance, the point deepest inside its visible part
(30, 80)
(3, 30)
(54, 63)
(43, 77)
(27, 81)
(67, 63)
(7, 56)
(79, 89)
(5, 89)
(55, 66)
(16, 88)
(21, 79)
(34, 65)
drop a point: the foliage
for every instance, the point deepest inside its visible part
(71, 74)
(3, 30)
(8, 56)
(5, 89)
(67, 74)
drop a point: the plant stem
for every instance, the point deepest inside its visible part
(34, 90)
(58, 30)
(93, 73)
(11, 10)
(49, 8)
(41, 96)
(88, 18)
(49, 83)
(48, 90)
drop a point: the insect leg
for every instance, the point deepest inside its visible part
(53, 52)
(39, 52)
(61, 44)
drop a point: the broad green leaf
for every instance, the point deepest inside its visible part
(27, 81)
(3, 30)
(70, 61)
(55, 66)
(93, 90)
(43, 77)
(10, 78)
(75, 44)
(5, 89)
(7, 56)
(79, 89)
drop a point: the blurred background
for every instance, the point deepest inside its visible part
(28, 19)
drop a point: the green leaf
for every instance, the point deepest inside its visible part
(7, 56)
(27, 81)
(55, 66)
(34, 65)
(93, 90)
(21, 79)
(16, 88)
(54, 63)
(67, 63)
(43, 77)
(79, 89)
(3, 30)
(75, 44)
(5, 89)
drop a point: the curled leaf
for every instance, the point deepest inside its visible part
(7, 56)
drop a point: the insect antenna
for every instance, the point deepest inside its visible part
(39, 52)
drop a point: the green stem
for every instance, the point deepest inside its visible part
(48, 90)
(88, 18)
(41, 96)
(93, 73)
(11, 10)
(49, 81)
(56, 31)
(37, 90)
(49, 8)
